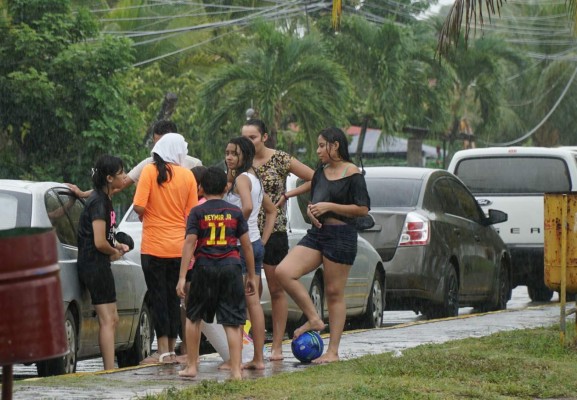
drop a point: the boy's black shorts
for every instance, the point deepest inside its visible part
(217, 289)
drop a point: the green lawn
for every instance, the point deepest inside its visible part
(524, 364)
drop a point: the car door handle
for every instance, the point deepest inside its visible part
(376, 228)
(457, 231)
(477, 238)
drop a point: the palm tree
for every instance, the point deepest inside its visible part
(285, 77)
(545, 90)
(541, 95)
(396, 79)
(479, 95)
(469, 10)
(472, 12)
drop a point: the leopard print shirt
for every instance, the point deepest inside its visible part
(273, 175)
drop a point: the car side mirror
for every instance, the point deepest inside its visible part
(496, 217)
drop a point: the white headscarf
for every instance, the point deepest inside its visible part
(172, 148)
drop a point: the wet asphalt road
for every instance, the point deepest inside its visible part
(133, 383)
(519, 300)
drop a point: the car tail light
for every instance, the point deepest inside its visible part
(416, 231)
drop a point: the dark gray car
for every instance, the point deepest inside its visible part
(45, 204)
(439, 249)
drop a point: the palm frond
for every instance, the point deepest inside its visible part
(336, 14)
(470, 10)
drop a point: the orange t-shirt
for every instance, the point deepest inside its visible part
(166, 210)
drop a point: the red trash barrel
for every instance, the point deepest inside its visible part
(31, 308)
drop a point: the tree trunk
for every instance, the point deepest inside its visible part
(166, 110)
(362, 135)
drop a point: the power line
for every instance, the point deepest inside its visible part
(532, 131)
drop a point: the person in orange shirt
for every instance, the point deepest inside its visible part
(164, 196)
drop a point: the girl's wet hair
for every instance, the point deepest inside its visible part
(164, 169)
(105, 165)
(248, 151)
(258, 123)
(335, 135)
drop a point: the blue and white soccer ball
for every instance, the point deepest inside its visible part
(307, 346)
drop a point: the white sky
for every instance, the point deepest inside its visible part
(435, 9)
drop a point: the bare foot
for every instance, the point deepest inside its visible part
(276, 355)
(188, 372)
(316, 325)
(182, 359)
(235, 376)
(326, 358)
(255, 365)
(225, 366)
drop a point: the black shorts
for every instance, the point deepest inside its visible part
(276, 248)
(99, 281)
(338, 243)
(217, 289)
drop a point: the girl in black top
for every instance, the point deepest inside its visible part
(97, 248)
(338, 195)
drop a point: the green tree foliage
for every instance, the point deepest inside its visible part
(63, 97)
(285, 77)
(545, 95)
(396, 80)
(480, 86)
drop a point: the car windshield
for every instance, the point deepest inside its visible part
(514, 175)
(393, 192)
(15, 209)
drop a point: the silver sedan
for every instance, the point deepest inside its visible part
(49, 204)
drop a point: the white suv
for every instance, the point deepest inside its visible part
(514, 180)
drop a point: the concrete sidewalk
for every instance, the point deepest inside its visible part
(134, 382)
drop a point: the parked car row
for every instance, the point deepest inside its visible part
(432, 250)
(437, 250)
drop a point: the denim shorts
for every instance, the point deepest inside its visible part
(338, 243)
(258, 250)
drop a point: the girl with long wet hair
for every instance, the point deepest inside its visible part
(247, 193)
(97, 247)
(338, 196)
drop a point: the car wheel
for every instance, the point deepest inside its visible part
(142, 341)
(504, 289)
(316, 293)
(373, 317)
(67, 363)
(538, 291)
(498, 300)
(450, 305)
